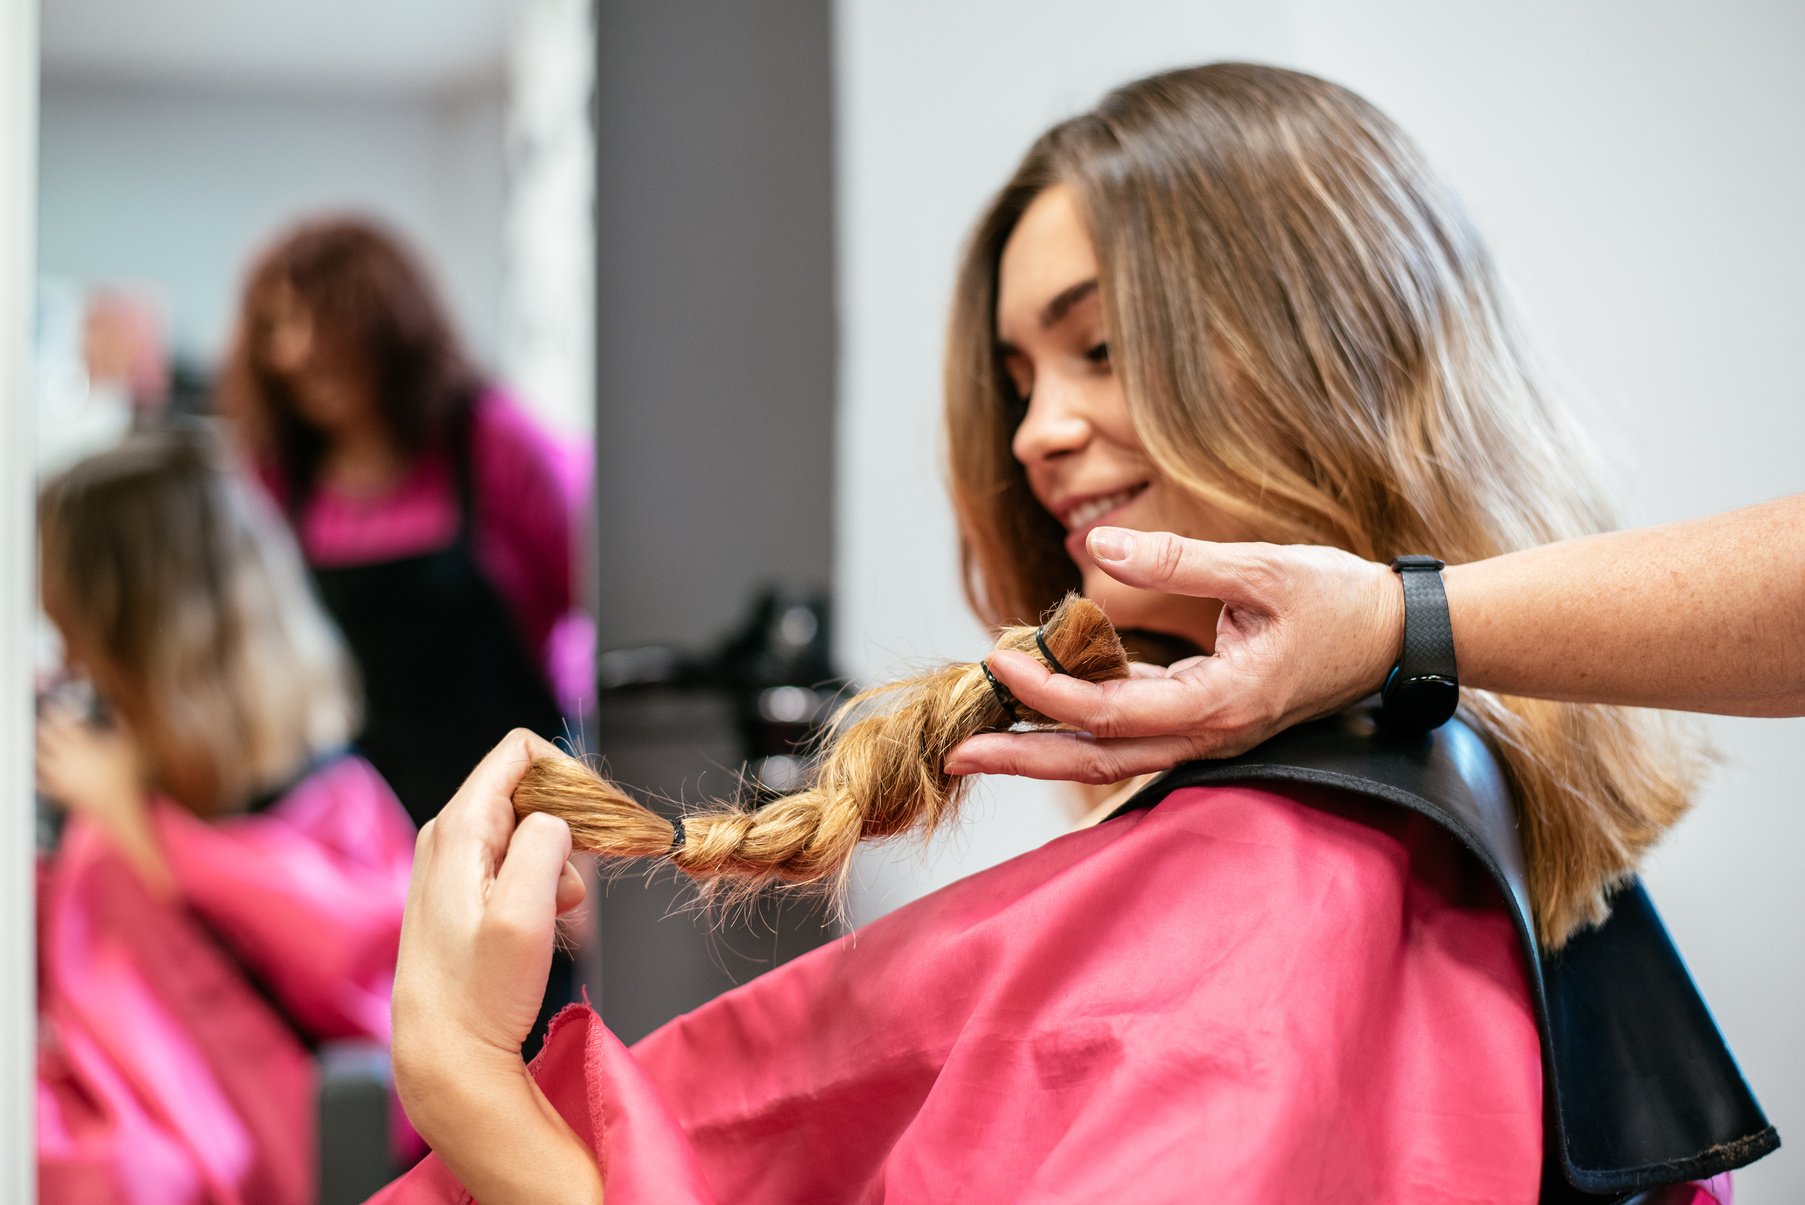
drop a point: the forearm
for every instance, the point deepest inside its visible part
(498, 1134)
(1701, 616)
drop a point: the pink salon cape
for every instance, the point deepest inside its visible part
(1234, 996)
(164, 1076)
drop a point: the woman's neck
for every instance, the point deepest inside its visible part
(362, 463)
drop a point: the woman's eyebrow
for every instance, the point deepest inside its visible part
(1062, 303)
(1054, 312)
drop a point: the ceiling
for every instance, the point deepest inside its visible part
(386, 45)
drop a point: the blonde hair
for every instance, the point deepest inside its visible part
(184, 598)
(1311, 339)
(881, 772)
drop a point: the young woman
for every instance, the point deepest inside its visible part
(228, 886)
(436, 517)
(1230, 302)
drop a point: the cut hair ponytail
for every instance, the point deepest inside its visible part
(881, 773)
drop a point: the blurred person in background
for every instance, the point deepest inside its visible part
(228, 885)
(429, 506)
(103, 368)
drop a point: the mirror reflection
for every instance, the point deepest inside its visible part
(315, 399)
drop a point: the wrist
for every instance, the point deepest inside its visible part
(1386, 623)
(440, 1081)
(494, 1128)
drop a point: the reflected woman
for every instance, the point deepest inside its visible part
(436, 516)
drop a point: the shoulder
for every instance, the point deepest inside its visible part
(501, 429)
(339, 789)
(1248, 856)
(521, 465)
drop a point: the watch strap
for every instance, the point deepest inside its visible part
(1428, 629)
(1424, 688)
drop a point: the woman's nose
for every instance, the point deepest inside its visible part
(1055, 425)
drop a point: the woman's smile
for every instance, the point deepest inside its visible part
(1080, 513)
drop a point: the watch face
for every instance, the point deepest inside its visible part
(1421, 703)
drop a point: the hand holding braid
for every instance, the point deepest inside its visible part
(882, 771)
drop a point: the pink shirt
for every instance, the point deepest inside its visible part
(527, 490)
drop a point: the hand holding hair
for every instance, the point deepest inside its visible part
(1707, 615)
(882, 772)
(1303, 632)
(482, 907)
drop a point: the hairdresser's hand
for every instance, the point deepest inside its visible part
(95, 771)
(91, 770)
(1303, 632)
(476, 945)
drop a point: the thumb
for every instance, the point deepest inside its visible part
(1159, 560)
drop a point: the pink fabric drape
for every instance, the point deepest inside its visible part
(1235, 996)
(163, 1074)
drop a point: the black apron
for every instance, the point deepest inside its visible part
(1640, 1091)
(446, 672)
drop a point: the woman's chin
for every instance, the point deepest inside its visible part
(1129, 607)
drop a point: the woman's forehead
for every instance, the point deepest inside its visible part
(1048, 257)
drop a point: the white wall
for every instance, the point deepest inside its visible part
(178, 185)
(18, 575)
(1637, 168)
(548, 302)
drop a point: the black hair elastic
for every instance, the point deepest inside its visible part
(678, 836)
(1040, 641)
(1002, 693)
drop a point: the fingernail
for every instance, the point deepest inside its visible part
(1111, 544)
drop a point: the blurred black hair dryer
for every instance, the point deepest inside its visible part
(776, 667)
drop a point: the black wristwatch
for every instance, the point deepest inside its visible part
(1424, 687)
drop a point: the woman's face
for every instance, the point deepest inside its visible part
(328, 393)
(1084, 461)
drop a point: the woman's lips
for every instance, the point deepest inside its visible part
(1096, 512)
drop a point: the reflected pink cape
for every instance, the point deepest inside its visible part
(1234, 996)
(163, 1075)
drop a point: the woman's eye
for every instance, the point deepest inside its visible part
(1098, 355)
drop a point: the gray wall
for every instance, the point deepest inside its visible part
(714, 423)
(715, 340)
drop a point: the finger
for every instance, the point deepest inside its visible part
(1159, 560)
(58, 728)
(524, 898)
(1073, 756)
(59, 710)
(423, 862)
(54, 750)
(482, 811)
(1160, 706)
(571, 888)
